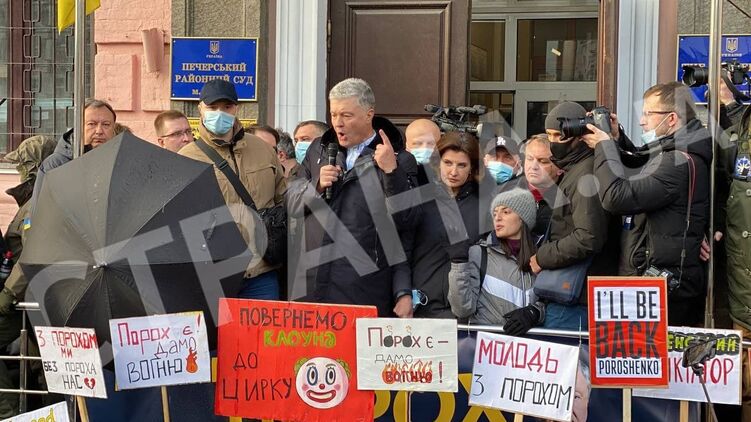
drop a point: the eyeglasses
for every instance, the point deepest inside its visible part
(649, 113)
(179, 134)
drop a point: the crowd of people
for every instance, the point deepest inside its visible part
(446, 225)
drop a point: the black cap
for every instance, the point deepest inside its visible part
(502, 142)
(218, 89)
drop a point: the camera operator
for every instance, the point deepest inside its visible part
(667, 191)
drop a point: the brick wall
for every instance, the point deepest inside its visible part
(121, 77)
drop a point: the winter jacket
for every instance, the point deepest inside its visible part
(660, 191)
(504, 288)
(734, 215)
(62, 154)
(429, 259)
(385, 272)
(259, 170)
(579, 225)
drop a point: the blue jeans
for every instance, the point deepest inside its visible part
(565, 317)
(264, 286)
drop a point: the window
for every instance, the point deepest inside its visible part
(557, 50)
(487, 51)
(524, 62)
(36, 71)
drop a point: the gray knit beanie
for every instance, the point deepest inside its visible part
(519, 200)
(566, 109)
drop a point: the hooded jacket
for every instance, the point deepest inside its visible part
(357, 202)
(62, 154)
(733, 215)
(659, 189)
(504, 289)
(28, 158)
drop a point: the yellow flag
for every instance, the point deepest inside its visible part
(66, 12)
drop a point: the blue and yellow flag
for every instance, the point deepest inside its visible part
(66, 12)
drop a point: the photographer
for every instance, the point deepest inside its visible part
(667, 184)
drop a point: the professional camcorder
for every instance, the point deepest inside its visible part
(577, 127)
(455, 118)
(695, 76)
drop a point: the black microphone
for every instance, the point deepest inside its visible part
(331, 151)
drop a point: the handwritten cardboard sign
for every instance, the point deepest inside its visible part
(71, 362)
(722, 373)
(524, 376)
(406, 354)
(160, 350)
(628, 330)
(290, 361)
(58, 412)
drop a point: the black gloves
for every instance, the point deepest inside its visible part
(7, 302)
(459, 252)
(519, 321)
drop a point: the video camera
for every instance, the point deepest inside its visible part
(695, 76)
(455, 118)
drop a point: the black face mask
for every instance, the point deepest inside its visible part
(569, 152)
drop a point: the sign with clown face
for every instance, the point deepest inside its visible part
(322, 382)
(290, 361)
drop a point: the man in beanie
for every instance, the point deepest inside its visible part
(653, 191)
(494, 286)
(256, 165)
(579, 228)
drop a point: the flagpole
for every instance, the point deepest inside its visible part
(79, 64)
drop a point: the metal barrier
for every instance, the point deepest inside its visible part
(545, 332)
(23, 358)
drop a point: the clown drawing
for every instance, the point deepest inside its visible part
(322, 382)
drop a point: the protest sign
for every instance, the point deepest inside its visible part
(71, 362)
(58, 412)
(722, 373)
(406, 354)
(160, 350)
(524, 376)
(290, 361)
(628, 329)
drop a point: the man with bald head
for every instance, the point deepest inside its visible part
(422, 135)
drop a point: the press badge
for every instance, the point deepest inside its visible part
(742, 166)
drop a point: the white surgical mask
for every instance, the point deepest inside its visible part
(651, 136)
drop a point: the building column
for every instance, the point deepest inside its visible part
(300, 62)
(637, 59)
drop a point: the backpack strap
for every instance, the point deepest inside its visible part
(225, 168)
(483, 262)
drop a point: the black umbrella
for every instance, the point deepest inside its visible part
(125, 229)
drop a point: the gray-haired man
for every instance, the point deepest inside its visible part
(370, 166)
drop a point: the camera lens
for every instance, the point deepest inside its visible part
(694, 76)
(571, 128)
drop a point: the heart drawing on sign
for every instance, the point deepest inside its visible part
(90, 382)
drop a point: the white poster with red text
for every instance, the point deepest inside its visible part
(524, 376)
(71, 362)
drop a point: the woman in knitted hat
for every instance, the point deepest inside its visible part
(494, 286)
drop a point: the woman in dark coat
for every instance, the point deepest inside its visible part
(450, 224)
